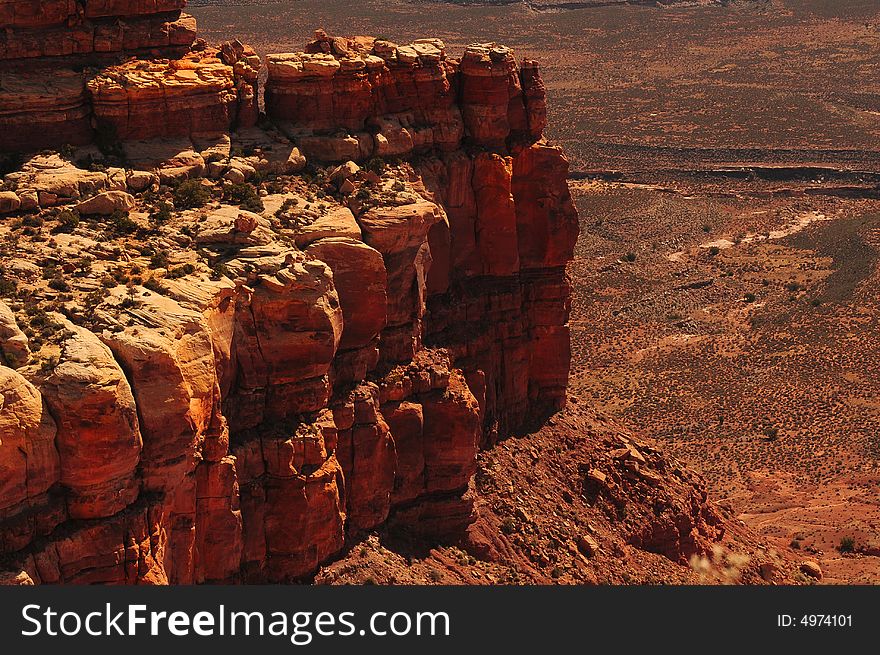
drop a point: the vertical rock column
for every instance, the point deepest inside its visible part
(99, 439)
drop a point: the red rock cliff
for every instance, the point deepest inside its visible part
(322, 368)
(61, 86)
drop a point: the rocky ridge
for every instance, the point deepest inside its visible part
(227, 354)
(233, 353)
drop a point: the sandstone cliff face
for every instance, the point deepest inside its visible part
(197, 94)
(356, 98)
(47, 28)
(263, 387)
(52, 97)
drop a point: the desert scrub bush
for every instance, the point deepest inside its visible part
(245, 196)
(8, 287)
(161, 213)
(219, 271)
(508, 525)
(159, 259)
(154, 285)
(49, 364)
(180, 271)
(847, 545)
(68, 220)
(274, 186)
(58, 283)
(67, 152)
(190, 194)
(286, 206)
(376, 165)
(120, 223)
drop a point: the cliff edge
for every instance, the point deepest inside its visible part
(237, 343)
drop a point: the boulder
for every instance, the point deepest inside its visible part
(9, 202)
(811, 569)
(107, 203)
(13, 342)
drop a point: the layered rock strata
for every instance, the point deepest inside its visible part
(206, 92)
(68, 77)
(356, 98)
(53, 28)
(291, 378)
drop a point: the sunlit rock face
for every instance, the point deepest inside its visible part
(280, 376)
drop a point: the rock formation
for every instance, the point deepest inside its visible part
(67, 77)
(233, 387)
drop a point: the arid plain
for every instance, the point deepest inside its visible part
(725, 162)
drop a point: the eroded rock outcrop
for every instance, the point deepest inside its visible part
(393, 100)
(210, 91)
(261, 378)
(50, 28)
(29, 466)
(98, 439)
(68, 77)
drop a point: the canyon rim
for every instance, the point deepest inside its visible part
(304, 315)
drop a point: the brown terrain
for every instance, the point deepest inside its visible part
(305, 316)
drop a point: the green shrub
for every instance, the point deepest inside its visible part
(219, 271)
(159, 260)
(59, 284)
(191, 194)
(153, 284)
(7, 286)
(245, 196)
(286, 206)
(161, 213)
(121, 223)
(67, 221)
(180, 271)
(376, 165)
